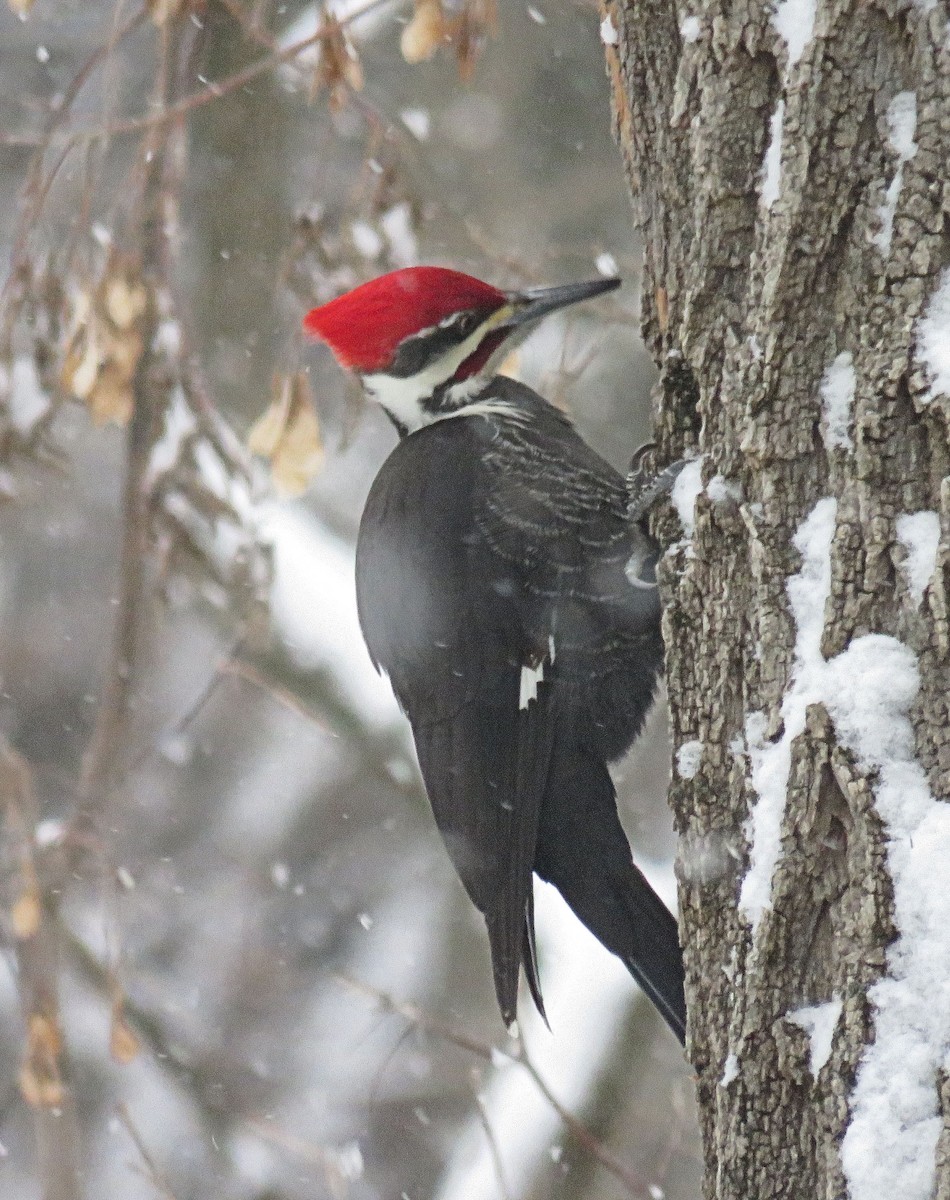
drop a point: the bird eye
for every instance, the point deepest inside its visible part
(461, 323)
(419, 349)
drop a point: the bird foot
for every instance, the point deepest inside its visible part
(644, 489)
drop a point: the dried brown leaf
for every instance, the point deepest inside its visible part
(338, 66)
(26, 914)
(124, 300)
(299, 456)
(106, 345)
(289, 435)
(40, 1080)
(476, 22)
(81, 365)
(111, 398)
(122, 352)
(268, 429)
(425, 32)
(162, 11)
(39, 1088)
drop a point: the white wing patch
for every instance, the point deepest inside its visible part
(532, 677)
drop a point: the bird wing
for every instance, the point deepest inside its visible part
(470, 662)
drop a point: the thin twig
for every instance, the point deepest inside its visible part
(632, 1181)
(36, 187)
(327, 1158)
(241, 669)
(425, 1021)
(214, 91)
(493, 1148)
(151, 1172)
(181, 1071)
(146, 1024)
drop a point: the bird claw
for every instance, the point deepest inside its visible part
(643, 490)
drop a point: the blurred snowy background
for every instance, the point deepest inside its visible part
(271, 984)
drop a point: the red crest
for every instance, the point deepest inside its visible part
(364, 326)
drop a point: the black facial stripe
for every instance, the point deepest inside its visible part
(416, 352)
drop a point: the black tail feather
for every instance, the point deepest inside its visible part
(583, 851)
(529, 956)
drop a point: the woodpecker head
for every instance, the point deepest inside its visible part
(424, 338)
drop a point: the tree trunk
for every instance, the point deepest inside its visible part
(789, 174)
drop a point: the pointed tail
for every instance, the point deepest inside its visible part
(583, 851)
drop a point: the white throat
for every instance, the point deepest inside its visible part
(405, 399)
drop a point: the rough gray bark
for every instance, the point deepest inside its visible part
(745, 308)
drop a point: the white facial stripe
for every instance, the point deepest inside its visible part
(403, 398)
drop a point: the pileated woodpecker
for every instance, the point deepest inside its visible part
(504, 588)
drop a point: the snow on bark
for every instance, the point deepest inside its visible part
(608, 31)
(819, 1022)
(688, 757)
(808, 592)
(837, 399)
(720, 489)
(794, 21)
(684, 494)
(919, 534)
(689, 487)
(933, 340)
(868, 690)
(772, 163)
(730, 1071)
(902, 125)
(888, 1148)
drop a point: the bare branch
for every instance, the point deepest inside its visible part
(150, 388)
(493, 1148)
(214, 91)
(632, 1181)
(241, 669)
(151, 1171)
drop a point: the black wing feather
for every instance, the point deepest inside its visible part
(444, 618)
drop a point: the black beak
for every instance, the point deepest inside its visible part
(535, 303)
